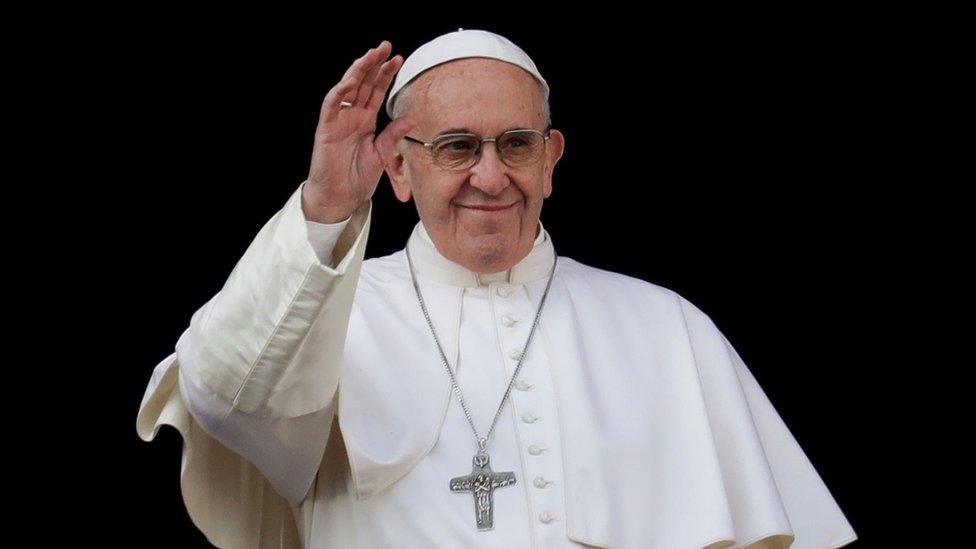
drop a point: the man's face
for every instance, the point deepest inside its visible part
(486, 96)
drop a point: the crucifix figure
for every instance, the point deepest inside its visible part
(482, 482)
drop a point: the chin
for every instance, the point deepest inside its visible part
(488, 241)
(489, 249)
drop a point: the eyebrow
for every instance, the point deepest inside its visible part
(468, 130)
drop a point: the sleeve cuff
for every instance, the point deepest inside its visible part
(323, 237)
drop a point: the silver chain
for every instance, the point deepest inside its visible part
(482, 441)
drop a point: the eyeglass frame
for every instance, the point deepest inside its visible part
(477, 153)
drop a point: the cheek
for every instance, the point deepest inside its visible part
(441, 202)
(533, 191)
(450, 193)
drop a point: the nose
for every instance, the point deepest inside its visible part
(489, 172)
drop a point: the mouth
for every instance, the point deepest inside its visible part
(487, 208)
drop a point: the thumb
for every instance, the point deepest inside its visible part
(387, 140)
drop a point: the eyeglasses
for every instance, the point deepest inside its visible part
(459, 151)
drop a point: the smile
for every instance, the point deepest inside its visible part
(488, 208)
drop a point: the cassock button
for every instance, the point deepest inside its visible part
(546, 517)
(523, 386)
(540, 482)
(535, 449)
(514, 354)
(505, 291)
(509, 321)
(529, 418)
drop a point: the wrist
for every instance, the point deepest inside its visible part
(326, 214)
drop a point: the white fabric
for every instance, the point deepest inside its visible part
(634, 422)
(457, 45)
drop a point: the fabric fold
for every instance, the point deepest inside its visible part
(255, 341)
(280, 277)
(387, 437)
(227, 498)
(696, 445)
(665, 437)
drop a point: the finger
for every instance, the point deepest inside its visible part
(347, 87)
(383, 80)
(362, 66)
(330, 105)
(368, 82)
(366, 86)
(386, 141)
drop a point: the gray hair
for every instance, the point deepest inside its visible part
(401, 103)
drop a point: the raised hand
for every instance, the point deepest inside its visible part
(348, 158)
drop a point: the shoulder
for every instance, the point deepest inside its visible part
(628, 291)
(610, 284)
(382, 271)
(614, 289)
(634, 298)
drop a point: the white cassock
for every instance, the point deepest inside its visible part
(316, 411)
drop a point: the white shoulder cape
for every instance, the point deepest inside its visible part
(700, 458)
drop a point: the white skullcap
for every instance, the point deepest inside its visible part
(458, 45)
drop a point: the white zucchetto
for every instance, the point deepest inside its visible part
(458, 45)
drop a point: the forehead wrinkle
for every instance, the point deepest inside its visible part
(433, 79)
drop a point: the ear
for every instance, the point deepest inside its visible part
(554, 151)
(396, 170)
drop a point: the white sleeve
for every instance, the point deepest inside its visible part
(287, 451)
(270, 341)
(259, 364)
(323, 237)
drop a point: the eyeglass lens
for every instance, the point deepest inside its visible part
(517, 148)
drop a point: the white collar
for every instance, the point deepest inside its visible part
(431, 264)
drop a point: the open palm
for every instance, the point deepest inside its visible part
(348, 158)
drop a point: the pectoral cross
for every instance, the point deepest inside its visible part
(482, 482)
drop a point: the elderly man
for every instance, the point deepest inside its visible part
(472, 389)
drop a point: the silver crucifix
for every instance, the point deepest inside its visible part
(482, 482)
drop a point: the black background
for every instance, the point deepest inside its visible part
(741, 159)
